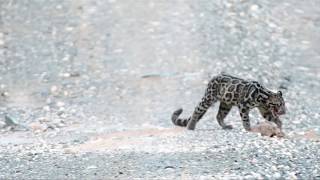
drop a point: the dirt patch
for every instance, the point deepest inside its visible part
(271, 130)
(310, 135)
(123, 140)
(141, 139)
(22, 98)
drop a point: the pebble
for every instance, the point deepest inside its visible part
(254, 7)
(66, 75)
(36, 126)
(54, 89)
(60, 104)
(276, 175)
(92, 167)
(9, 121)
(46, 108)
(292, 175)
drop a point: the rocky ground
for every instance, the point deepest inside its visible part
(88, 88)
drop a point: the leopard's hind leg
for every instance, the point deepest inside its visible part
(208, 99)
(199, 111)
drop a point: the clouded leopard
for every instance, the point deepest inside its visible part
(232, 91)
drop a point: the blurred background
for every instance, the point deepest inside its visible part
(128, 63)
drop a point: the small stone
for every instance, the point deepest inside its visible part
(65, 93)
(9, 121)
(256, 175)
(274, 168)
(46, 108)
(286, 167)
(54, 89)
(61, 110)
(36, 126)
(292, 175)
(60, 125)
(296, 122)
(60, 104)
(69, 151)
(276, 175)
(169, 167)
(5, 94)
(254, 7)
(69, 28)
(50, 126)
(48, 100)
(66, 75)
(59, 7)
(74, 74)
(92, 167)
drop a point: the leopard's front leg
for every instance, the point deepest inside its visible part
(244, 113)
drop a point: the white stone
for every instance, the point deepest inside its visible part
(274, 168)
(69, 28)
(276, 175)
(46, 108)
(254, 7)
(54, 89)
(60, 104)
(292, 175)
(66, 75)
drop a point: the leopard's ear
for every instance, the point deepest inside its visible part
(279, 93)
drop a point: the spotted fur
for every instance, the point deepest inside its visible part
(232, 91)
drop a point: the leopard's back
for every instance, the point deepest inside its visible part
(230, 89)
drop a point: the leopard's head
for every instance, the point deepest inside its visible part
(276, 104)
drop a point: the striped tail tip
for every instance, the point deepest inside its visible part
(176, 120)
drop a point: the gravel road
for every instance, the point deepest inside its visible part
(88, 88)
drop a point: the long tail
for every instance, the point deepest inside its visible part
(178, 121)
